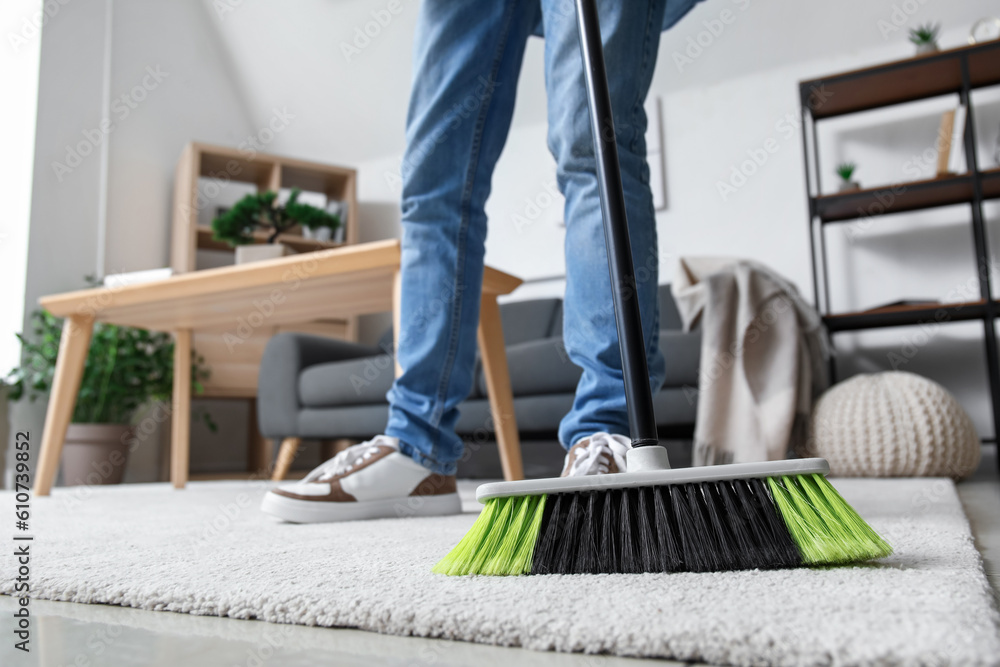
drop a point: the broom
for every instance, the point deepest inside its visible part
(650, 518)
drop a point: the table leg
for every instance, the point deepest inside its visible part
(73, 347)
(494, 358)
(180, 435)
(286, 454)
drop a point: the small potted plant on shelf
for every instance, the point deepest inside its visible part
(925, 37)
(242, 225)
(846, 170)
(126, 368)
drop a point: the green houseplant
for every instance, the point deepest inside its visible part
(126, 368)
(924, 37)
(846, 171)
(262, 212)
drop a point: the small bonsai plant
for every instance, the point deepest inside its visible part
(925, 37)
(261, 211)
(125, 368)
(846, 171)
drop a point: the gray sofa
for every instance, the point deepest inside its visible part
(314, 387)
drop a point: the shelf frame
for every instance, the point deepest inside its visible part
(956, 71)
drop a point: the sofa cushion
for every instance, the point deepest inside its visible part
(352, 382)
(538, 367)
(543, 367)
(527, 320)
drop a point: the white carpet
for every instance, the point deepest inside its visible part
(207, 550)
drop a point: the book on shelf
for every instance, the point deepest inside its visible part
(944, 142)
(951, 142)
(956, 159)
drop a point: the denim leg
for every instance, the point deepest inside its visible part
(631, 36)
(467, 58)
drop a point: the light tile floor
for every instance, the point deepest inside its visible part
(94, 635)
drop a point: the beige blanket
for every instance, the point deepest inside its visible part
(763, 358)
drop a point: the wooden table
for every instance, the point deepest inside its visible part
(354, 280)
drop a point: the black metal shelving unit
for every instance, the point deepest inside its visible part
(956, 71)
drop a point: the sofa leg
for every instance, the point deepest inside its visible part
(330, 448)
(289, 449)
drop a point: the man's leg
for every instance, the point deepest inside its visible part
(631, 35)
(467, 58)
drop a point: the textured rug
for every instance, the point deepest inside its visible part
(208, 551)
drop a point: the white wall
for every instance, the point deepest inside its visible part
(198, 99)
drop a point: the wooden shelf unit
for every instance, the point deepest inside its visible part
(958, 72)
(234, 369)
(265, 172)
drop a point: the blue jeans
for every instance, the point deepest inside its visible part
(467, 58)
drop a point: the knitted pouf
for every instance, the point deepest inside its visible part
(892, 424)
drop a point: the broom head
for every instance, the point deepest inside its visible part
(777, 514)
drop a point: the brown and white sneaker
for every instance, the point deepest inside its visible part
(370, 480)
(599, 454)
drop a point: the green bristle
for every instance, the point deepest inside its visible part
(825, 528)
(500, 527)
(459, 559)
(513, 555)
(866, 543)
(501, 541)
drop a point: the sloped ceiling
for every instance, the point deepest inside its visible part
(351, 107)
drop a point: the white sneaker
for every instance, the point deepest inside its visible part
(370, 480)
(600, 454)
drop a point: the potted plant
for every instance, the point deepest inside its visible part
(125, 368)
(925, 37)
(261, 212)
(846, 170)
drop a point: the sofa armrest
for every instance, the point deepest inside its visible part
(285, 357)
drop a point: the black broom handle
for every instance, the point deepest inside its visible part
(638, 397)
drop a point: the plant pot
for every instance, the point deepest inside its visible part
(321, 234)
(929, 47)
(95, 453)
(259, 252)
(849, 186)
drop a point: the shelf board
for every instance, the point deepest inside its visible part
(293, 241)
(911, 196)
(903, 315)
(900, 81)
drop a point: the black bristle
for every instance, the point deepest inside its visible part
(695, 527)
(649, 556)
(666, 533)
(586, 547)
(784, 551)
(609, 532)
(708, 557)
(565, 558)
(728, 550)
(628, 524)
(689, 533)
(752, 555)
(543, 561)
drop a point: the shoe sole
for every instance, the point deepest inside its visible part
(316, 511)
